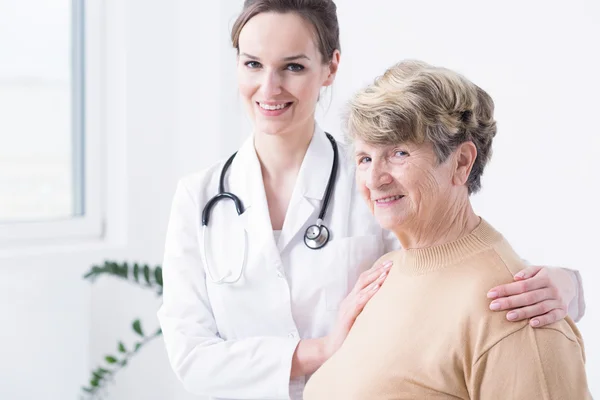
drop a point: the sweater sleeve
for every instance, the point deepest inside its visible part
(544, 363)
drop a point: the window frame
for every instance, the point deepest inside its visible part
(88, 127)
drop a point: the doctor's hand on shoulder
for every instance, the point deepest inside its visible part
(312, 353)
(368, 284)
(543, 295)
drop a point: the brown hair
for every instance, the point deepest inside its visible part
(322, 14)
(417, 102)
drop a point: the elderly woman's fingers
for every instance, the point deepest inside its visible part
(510, 289)
(528, 272)
(524, 299)
(371, 275)
(538, 311)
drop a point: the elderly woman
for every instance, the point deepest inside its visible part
(422, 138)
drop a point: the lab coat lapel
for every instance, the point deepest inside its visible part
(309, 189)
(246, 177)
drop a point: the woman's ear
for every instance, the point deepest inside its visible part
(466, 154)
(333, 68)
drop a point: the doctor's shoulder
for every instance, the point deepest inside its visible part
(202, 184)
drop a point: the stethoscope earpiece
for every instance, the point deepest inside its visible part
(316, 236)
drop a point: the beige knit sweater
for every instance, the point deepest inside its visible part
(429, 334)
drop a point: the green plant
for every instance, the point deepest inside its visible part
(146, 277)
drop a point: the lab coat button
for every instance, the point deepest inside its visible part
(279, 274)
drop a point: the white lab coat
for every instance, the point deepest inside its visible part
(236, 341)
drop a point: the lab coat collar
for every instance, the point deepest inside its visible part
(309, 189)
(246, 181)
(246, 175)
(316, 166)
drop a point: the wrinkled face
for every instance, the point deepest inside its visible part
(280, 72)
(404, 185)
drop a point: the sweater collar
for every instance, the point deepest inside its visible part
(429, 259)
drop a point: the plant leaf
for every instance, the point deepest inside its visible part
(97, 376)
(158, 332)
(90, 272)
(95, 270)
(94, 383)
(147, 275)
(137, 346)
(124, 270)
(158, 275)
(137, 327)
(122, 348)
(123, 363)
(136, 271)
(110, 359)
(87, 389)
(113, 268)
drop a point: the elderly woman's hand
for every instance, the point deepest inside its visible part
(540, 293)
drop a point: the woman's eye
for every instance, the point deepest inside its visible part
(252, 64)
(400, 153)
(364, 160)
(295, 67)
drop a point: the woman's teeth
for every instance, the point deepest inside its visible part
(273, 107)
(389, 199)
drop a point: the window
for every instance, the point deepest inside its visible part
(49, 121)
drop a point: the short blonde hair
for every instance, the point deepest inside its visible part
(414, 102)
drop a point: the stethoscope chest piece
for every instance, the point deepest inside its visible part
(316, 236)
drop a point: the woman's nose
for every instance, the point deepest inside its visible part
(271, 84)
(378, 176)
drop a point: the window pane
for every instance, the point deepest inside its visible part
(40, 110)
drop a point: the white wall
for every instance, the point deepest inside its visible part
(56, 326)
(537, 59)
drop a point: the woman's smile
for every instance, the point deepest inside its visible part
(273, 109)
(388, 201)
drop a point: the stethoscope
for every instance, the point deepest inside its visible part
(316, 236)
